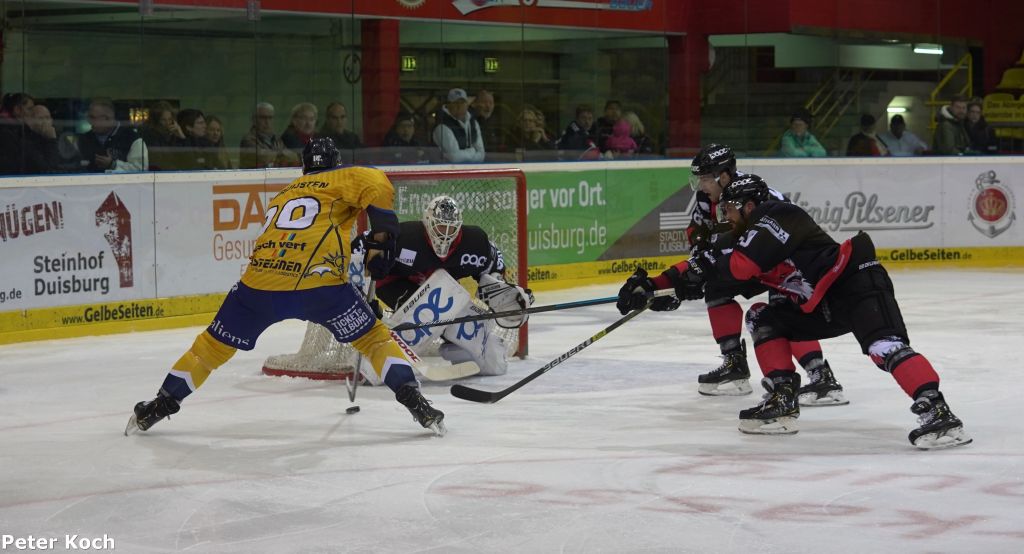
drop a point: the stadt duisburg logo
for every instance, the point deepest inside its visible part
(991, 209)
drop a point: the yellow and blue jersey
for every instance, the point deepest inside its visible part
(305, 239)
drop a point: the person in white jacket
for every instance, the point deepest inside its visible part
(457, 133)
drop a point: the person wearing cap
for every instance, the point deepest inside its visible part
(900, 141)
(457, 133)
(865, 142)
(798, 142)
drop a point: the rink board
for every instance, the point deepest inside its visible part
(111, 253)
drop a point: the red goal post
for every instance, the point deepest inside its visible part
(493, 199)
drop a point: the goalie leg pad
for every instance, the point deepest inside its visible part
(439, 297)
(480, 340)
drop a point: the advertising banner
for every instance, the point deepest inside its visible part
(206, 227)
(76, 244)
(585, 216)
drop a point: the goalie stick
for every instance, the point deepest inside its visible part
(508, 313)
(488, 397)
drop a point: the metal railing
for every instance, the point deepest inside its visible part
(830, 102)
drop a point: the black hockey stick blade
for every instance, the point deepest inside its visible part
(511, 313)
(488, 397)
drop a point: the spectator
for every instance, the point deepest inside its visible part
(483, 110)
(108, 145)
(865, 143)
(899, 141)
(219, 158)
(951, 136)
(579, 135)
(982, 137)
(530, 133)
(195, 150)
(336, 127)
(301, 127)
(798, 142)
(457, 133)
(162, 136)
(606, 123)
(620, 144)
(403, 148)
(644, 144)
(402, 132)
(41, 155)
(260, 147)
(16, 114)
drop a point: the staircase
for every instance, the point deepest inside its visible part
(751, 117)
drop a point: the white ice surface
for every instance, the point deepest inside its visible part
(612, 451)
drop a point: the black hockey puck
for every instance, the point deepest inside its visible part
(352, 410)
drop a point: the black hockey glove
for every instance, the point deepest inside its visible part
(702, 262)
(638, 291)
(688, 285)
(700, 237)
(381, 263)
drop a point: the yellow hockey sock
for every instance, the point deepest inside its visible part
(206, 355)
(389, 360)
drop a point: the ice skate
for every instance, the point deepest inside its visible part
(939, 428)
(822, 388)
(421, 410)
(732, 378)
(778, 411)
(146, 414)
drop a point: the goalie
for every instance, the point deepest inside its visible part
(422, 286)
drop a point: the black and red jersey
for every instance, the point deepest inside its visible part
(472, 255)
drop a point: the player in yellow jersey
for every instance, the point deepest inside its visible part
(297, 270)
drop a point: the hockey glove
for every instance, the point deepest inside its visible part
(504, 297)
(700, 237)
(702, 262)
(689, 285)
(380, 264)
(637, 292)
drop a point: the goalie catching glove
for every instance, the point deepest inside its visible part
(638, 291)
(504, 297)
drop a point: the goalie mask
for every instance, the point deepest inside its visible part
(443, 221)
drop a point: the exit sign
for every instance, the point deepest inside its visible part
(408, 63)
(491, 65)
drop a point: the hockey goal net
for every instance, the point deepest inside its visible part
(493, 199)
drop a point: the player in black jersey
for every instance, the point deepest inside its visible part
(832, 289)
(713, 169)
(440, 241)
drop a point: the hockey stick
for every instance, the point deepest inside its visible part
(509, 313)
(488, 397)
(352, 385)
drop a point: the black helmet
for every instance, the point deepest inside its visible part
(320, 153)
(749, 187)
(712, 159)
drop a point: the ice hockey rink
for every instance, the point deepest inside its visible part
(611, 451)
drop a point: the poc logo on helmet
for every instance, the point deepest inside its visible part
(473, 260)
(717, 153)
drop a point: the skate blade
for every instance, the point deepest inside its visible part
(132, 427)
(943, 439)
(730, 388)
(778, 426)
(438, 428)
(833, 398)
